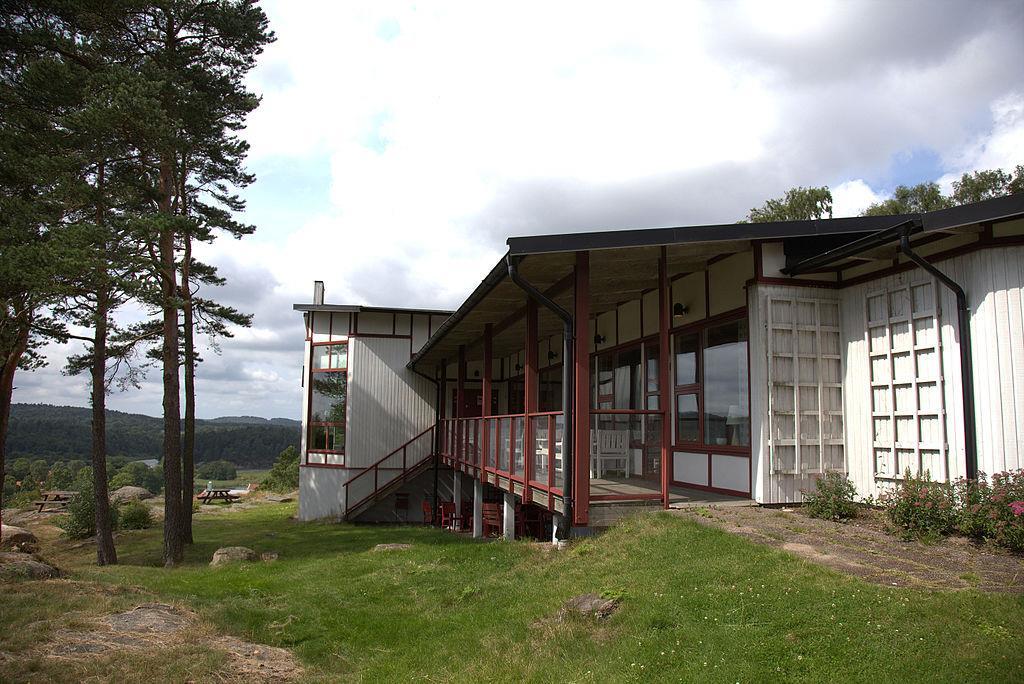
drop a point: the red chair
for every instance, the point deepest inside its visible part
(428, 513)
(449, 519)
(492, 519)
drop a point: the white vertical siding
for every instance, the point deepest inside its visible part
(387, 403)
(994, 282)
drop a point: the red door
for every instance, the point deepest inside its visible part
(472, 404)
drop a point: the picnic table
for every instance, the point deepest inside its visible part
(55, 500)
(209, 495)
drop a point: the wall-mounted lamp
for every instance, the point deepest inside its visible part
(552, 356)
(679, 310)
(519, 366)
(599, 338)
(476, 374)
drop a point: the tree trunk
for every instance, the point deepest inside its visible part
(173, 547)
(10, 365)
(106, 554)
(188, 452)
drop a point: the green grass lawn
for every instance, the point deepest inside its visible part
(697, 604)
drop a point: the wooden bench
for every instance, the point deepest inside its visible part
(54, 501)
(50, 506)
(210, 495)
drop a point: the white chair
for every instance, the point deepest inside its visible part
(609, 448)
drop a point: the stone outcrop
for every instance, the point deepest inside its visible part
(233, 554)
(17, 539)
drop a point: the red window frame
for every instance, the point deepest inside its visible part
(311, 427)
(696, 389)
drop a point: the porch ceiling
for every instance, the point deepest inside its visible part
(616, 276)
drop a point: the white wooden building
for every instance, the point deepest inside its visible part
(656, 366)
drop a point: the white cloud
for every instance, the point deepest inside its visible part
(446, 127)
(1000, 148)
(853, 197)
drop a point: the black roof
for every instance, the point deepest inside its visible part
(987, 211)
(968, 214)
(355, 308)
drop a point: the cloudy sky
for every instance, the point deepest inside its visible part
(398, 144)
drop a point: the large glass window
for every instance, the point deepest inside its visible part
(712, 393)
(726, 407)
(328, 398)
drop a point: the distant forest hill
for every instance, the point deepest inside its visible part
(61, 433)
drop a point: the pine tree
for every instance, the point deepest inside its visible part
(200, 53)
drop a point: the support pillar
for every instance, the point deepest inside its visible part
(478, 509)
(580, 432)
(559, 528)
(509, 517)
(664, 374)
(457, 492)
(531, 395)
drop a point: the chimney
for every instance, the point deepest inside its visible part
(318, 292)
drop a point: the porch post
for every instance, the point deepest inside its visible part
(530, 395)
(664, 374)
(478, 509)
(509, 518)
(581, 400)
(485, 437)
(486, 391)
(443, 384)
(457, 491)
(460, 385)
(460, 406)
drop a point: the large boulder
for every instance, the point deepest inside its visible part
(233, 554)
(24, 566)
(130, 493)
(17, 539)
(589, 606)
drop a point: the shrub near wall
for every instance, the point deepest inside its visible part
(920, 507)
(990, 508)
(832, 499)
(993, 511)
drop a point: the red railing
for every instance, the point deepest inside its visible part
(388, 470)
(521, 447)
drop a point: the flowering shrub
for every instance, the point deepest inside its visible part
(996, 511)
(921, 507)
(832, 498)
(989, 508)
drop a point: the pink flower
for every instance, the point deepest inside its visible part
(1017, 507)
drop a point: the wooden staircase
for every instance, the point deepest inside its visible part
(389, 473)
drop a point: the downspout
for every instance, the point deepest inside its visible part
(567, 381)
(439, 396)
(966, 364)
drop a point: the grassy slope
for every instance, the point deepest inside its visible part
(697, 603)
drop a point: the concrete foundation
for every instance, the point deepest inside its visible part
(509, 517)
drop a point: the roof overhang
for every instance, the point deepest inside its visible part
(548, 259)
(350, 308)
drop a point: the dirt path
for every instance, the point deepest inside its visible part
(865, 549)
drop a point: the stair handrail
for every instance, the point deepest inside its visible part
(376, 466)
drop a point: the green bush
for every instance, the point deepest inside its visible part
(80, 520)
(832, 498)
(284, 476)
(138, 475)
(22, 498)
(920, 507)
(135, 515)
(59, 477)
(993, 511)
(216, 470)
